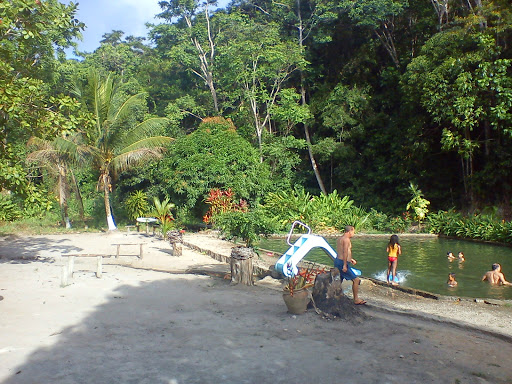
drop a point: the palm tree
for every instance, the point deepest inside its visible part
(58, 156)
(119, 142)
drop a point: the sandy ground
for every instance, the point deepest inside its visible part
(169, 319)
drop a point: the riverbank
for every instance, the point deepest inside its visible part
(176, 319)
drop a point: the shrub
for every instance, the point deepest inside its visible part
(137, 205)
(246, 226)
(213, 156)
(9, 210)
(483, 227)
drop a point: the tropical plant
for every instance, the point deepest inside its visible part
(355, 216)
(379, 221)
(162, 212)
(220, 202)
(398, 224)
(418, 204)
(246, 226)
(213, 156)
(9, 210)
(319, 212)
(137, 204)
(288, 206)
(119, 142)
(482, 227)
(58, 156)
(305, 278)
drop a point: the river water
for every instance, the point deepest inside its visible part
(423, 263)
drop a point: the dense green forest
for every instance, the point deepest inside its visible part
(383, 101)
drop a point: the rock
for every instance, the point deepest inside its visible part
(330, 301)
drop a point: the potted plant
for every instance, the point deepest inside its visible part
(296, 294)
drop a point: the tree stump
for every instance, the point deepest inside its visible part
(329, 299)
(176, 240)
(241, 265)
(177, 249)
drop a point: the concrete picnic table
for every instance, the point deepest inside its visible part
(147, 220)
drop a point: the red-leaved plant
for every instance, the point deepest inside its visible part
(304, 279)
(221, 201)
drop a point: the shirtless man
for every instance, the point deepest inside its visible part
(495, 276)
(344, 259)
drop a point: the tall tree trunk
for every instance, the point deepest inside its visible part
(308, 138)
(304, 103)
(108, 209)
(78, 196)
(63, 201)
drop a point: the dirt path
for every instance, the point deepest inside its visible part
(140, 326)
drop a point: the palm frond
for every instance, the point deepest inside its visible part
(150, 127)
(129, 159)
(47, 157)
(102, 92)
(39, 143)
(126, 109)
(148, 142)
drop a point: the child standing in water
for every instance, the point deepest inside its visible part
(393, 249)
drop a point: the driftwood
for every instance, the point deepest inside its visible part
(329, 299)
(241, 265)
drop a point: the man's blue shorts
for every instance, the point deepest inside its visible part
(349, 275)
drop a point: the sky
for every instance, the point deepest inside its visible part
(104, 16)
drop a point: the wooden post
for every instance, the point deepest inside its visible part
(241, 265)
(64, 276)
(118, 249)
(141, 253)
(99, 271)
(71, 265)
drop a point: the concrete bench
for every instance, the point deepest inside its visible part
(67, 270)
(130, 227)
(118, 250)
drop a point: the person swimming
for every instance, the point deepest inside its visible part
(450, 256)
(461, 257)
(451, 280)
(494, 276)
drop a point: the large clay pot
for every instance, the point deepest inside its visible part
(298, 302)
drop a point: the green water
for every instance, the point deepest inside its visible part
(423, 263)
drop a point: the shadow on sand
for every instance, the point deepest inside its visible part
(34, 248)
(189, 329)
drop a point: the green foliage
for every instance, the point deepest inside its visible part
(37, 201)
(399, 224)
(9, 210)
(482, 227)
(418, 204)
(162, 211)
(246, 226)
(379, 220)
(137, 205)
(324, 212)
(356, 217)
(213, 156)
(220, 202)
(282, 154)
(119, 141)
